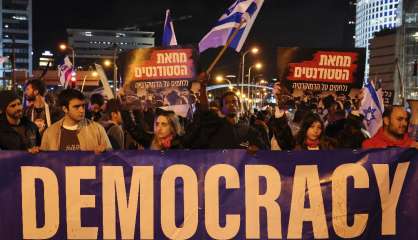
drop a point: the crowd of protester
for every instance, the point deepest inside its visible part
(69, 121)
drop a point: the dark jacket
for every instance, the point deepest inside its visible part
(351, 136)
(279, 128)
(209, 131)
(347, 132)
(11, 140)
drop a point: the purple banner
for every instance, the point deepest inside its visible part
(210, 195)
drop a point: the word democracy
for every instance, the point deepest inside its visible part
(126, 203)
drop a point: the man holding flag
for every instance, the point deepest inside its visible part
(394, 132)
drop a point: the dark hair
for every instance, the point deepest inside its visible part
(113, 105)
(67, 95)
(97, 98)
(37, 84)
(214, 104)
(228, 93)
(389, 110)
(307, 122)
(262, 115)
(328, 101)
(297, 118)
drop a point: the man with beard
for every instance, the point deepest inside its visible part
(394, 130)
(74, 132)
(212, 131)
(16, 131)
(39, 112)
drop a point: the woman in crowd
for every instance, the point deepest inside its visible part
(167, 131)
(310, 135)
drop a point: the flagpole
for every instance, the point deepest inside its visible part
(84, 82)
(402, 94)
(220, 54)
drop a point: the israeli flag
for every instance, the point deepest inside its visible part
(372, 108)
(65, 72)
(244, 11)
(169, 37)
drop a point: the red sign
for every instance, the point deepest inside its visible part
(166, 64)
(326, 66)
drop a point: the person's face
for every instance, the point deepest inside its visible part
(30, 93)
(95, 108)
(75, 110)
(15, 109)
(397, 123)
(162, 127)
(230, 106)
(277, 89)
(314, 131)
(117, 117)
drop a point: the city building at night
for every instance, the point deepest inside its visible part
(16, 37)
(96, 45)
(46, 57)
(373, 16)
(394, 55)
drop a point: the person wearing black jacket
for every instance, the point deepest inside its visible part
(211, 131)
(16, 131)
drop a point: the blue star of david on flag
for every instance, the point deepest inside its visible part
(372, 109)
(369, 114)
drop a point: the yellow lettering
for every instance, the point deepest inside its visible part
(339, 200)
(51, 200)
(142, 185)
(254, 200)
(306, 179)
(75, 202)
(168, 206)
(212, 202)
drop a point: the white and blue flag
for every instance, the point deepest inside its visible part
(65, 72)
(241, 11)
(372, 108)
(169, 37)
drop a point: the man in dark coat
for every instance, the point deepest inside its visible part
(16, 131)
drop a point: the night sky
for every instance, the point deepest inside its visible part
(306, 23)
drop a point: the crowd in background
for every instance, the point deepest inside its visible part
(71, 121)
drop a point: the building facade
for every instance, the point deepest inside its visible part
(16, 37)
(350, 25)
(394, 55)
(407, 48)
(373, 16)
(92, 45)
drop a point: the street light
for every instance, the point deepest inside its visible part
(64, 47)
(220, 78)
(253, 50)
(256, 66)
(107, 63)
